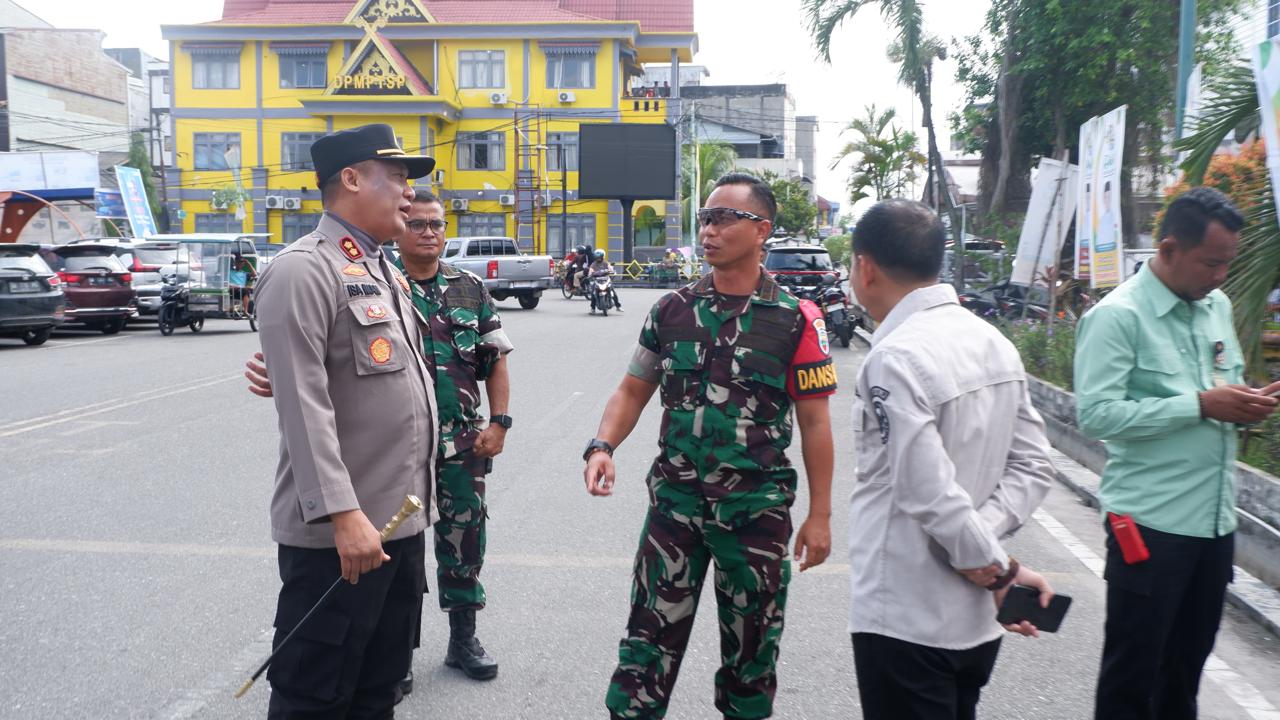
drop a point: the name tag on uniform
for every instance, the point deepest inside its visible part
(363, 290)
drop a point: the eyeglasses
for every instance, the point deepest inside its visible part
(724, 216)
(420, 226)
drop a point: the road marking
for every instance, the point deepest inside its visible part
(86, 411)
(558, 409)
(63, 344)
(1236, 687)
(113, 547)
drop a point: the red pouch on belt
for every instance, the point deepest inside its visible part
(1132, 547)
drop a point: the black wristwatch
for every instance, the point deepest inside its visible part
(502, 420)
(595, 445)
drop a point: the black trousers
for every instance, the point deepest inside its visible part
(347, 661)
(1162, 618)
(899, 680)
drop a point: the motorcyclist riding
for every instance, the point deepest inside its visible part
(578, 266)
(600, 265)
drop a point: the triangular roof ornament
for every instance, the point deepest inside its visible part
(377, 14)
(377, 67)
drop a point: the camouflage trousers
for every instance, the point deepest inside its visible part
(680, 538)
(460, 531)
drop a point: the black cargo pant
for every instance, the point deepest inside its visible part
(900, 680)
(1162, 618)
(347, 661)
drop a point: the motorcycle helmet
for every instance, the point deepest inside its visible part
(599, 254)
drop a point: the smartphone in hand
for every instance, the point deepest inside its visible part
(1023, 603)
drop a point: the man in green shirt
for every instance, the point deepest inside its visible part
(1159, 376)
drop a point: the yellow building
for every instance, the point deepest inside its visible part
(494, 89)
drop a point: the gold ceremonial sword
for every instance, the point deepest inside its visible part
(411, 505)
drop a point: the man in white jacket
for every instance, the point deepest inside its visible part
(952, 458)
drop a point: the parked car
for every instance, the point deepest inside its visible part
(98, 287)
(505, 270)
(32, 303)
(808, 272)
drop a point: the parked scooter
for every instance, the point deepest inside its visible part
(835, 310)
(175, 307)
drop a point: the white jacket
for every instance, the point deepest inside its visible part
(952, 457)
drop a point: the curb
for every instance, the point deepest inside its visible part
(1257, 600)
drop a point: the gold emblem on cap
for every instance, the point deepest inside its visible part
(391, 151)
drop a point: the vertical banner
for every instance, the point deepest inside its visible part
(1053, 199)
(1084, 208)
(1099, 232)
(1266, 73)
(136, 205)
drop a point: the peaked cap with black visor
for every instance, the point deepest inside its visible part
(345, 148)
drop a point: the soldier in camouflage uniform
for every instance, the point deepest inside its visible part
(465, 344)
(468, 345)
(732, 354)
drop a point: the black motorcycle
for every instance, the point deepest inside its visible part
(833, 303)
(1006, 302)
(175, 307)
(600, 292)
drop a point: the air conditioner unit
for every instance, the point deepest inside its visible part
(275, 202)
(542, 200)
(567, 97)
(506, 199)
(439, 177)
(293, 203)
(498, 98)
(459, 204)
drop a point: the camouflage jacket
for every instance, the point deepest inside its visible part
(465, 340)
(728, 371)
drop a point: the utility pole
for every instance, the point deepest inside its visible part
(564, 200)
(695, 201)
(1186, 59)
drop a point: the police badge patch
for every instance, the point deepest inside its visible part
(350, 249)
(380, 351)
(879, 395)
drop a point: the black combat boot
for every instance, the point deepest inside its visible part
(465, 651)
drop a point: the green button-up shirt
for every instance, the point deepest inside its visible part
(1142, 356)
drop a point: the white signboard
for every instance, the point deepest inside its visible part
(1266, 73)
(1049, 215)
(55, 170)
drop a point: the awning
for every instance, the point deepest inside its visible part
(213, 48)
(570, 48)
(300, 48)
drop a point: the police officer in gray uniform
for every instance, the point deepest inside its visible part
(357, 434)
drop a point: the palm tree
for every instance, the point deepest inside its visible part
(715, 159)
(912, 50)
(1234, 108)
(886, 164)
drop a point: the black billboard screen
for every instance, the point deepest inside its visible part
(627, 161)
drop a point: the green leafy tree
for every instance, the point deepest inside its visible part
(714, 160)
(1041, 68)
(914, 52)
(1256, 270)
(797, 213)
(887, 161)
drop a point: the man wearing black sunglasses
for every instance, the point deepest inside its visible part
(732, 355)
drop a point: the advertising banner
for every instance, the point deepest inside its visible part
(1266, 73)
(1053, 200)
(136, 205)
(1098, 229)
(109, 205)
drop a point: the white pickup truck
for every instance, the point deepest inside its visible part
(505, 270)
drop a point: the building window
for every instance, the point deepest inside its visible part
(298, 224)
(295, 150)
(215, 72)
(482, 225)
(482, 151)
(1273, 18)
(211, 149)
(566, 142)
(218, 223)
(482, 69)
(571, 71)
(303, 71)
(581, 226)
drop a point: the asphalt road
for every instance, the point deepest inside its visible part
(137, 576)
